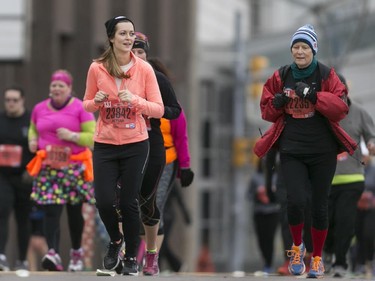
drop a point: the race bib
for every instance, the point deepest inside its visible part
(57, 156)
(119, 114)
(298, 107)
(10, 155)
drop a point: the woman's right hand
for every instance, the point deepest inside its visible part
(280, 100)
(100, 97)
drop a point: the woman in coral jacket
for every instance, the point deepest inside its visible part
(305, 101)
(123, 88)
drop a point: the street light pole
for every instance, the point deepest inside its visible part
(239, 185)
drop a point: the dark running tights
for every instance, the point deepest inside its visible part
(365, 232)
(265, 227)
(304, 172)
(52, 225)
(124, 164)
(147, 200)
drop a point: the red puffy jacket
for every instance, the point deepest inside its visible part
(331, 103)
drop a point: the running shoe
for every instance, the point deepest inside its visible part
(151, 267)
(328, 260)
(284, 269)
(76, 260)
(120, 266)
(52, 261)
(21, 265)
(339, 271)
(296, 264)
(316, 268)
(112, 257)
(130, 266)
(4, 266)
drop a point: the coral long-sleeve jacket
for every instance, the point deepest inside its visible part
(141, 83)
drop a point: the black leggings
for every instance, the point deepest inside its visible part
(365, 232)
(342, 219)
(149, 211)
(302, 171)
(125, 164)
(265, 228)
(284, 224)
(52, 225)
(15, 195)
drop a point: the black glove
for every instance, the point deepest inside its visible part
(305, 91)
(186, 177)
(279, 100)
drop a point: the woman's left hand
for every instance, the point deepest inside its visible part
(126, 96)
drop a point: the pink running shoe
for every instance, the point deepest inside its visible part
(76, 260)
(151, 266)
(52, 261)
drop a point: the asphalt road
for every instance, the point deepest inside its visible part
(88, 276)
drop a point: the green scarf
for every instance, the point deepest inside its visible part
(299, 74)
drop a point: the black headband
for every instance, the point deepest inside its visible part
(111, 23)
(140, 44)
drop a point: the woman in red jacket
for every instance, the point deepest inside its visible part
(305, 101)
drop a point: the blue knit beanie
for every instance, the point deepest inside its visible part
(307, 35)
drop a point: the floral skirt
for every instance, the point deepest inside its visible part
(62, 186)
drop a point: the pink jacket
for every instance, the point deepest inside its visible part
(176, 140)
(180, 139)
(142, 83)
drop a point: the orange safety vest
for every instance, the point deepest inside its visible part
(170, 149)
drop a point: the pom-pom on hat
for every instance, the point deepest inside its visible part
(141, 42)
(307, 35)
(111, 23)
